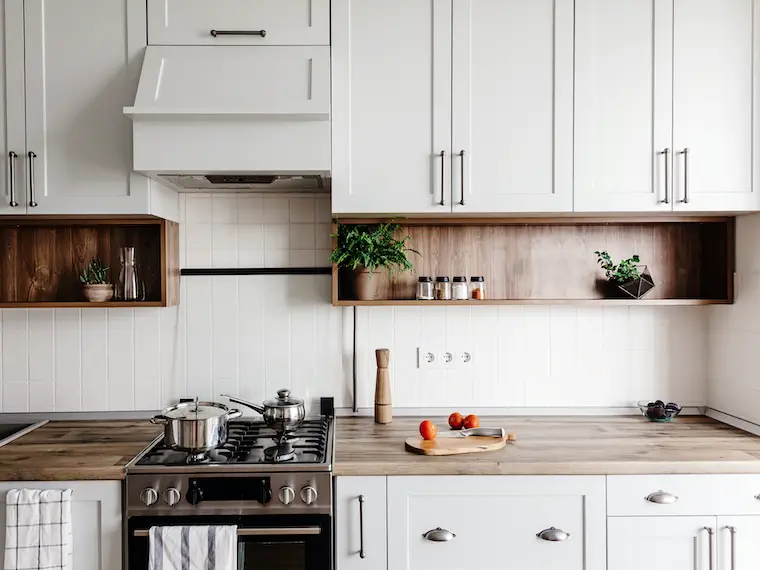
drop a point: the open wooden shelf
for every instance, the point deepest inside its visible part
(552, 262)
(41, 259)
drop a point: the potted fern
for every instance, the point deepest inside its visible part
(627, 278)
(95, 285)
(367, 249)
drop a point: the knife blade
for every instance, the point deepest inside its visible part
(481, 431)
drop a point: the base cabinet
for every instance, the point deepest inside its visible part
(738, 546)
(360, 523)
(96, 520)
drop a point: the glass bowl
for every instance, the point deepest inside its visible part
(658, 411)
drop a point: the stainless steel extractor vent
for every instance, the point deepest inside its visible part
(247, 182)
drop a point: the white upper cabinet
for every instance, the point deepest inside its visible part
(714, 52)
(512, 106)
(623, 105)
(239, 22)
(391, 106)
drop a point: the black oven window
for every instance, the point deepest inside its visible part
(280, 555)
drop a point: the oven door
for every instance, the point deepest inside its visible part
(272, 542)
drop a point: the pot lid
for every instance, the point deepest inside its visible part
(196, 411)
(283, 400)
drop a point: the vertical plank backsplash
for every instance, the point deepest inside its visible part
(252, 335)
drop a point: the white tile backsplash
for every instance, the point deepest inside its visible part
(251, 335)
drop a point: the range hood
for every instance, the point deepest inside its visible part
(234, 118)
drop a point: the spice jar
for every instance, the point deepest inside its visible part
(425, 289)
(442, 289)
(477, 288)
(459, 290)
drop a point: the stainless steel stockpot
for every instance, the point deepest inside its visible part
(195, 427)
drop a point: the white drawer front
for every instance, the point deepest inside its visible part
(695, 495)
(494, 519)
(285, 22)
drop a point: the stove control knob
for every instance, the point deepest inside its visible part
(148, 496)
(194, 495)
(286, 495)
(172, 496)
(309, 495)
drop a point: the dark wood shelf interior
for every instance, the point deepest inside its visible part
(40, 261)
(691, 261)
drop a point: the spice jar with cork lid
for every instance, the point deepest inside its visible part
(477, 288)
(459, 290)
(442, 289)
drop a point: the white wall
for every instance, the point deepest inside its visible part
(253, 335)
(734, 332)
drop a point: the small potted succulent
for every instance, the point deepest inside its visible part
(95, 285)
(627, 278)
(367, 249)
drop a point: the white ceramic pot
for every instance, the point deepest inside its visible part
(98, 293)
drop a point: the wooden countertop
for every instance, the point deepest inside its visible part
(556, 446)
(75, 450)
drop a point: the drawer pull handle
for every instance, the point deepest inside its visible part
(661, 498)
(217, 33)
(553, 535)
(362, 554)
(439, 535)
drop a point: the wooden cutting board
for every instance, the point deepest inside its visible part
(454, 445)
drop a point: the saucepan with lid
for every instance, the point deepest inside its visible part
(284, 413)
(195, 427)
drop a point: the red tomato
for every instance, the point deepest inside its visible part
(471, 421)
(456, 420)
(428, 430)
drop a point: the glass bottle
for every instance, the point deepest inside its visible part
(477, 288)
(442, 289)
(425, 289)
(459, 291)
(129, 286)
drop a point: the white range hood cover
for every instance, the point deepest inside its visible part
(232, 109)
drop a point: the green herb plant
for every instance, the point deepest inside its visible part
(95, 273)
(625, 271)
(372, 246)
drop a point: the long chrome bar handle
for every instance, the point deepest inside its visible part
(362, 554)
(12, 156)
(461, 156)
(666, 154)
(443, 178)
(710, 533)
(732, 530)
(32, 201)
(685, 154)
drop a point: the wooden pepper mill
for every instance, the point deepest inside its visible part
(383, 410)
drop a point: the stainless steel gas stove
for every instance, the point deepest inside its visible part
(276, 488)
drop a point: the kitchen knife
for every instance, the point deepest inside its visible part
(481, 431)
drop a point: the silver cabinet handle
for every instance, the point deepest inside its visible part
(12, 156)
(685, 154)
(443, 178)
(666, 154)
(710, 533)
(732, 530)
(553, 535)
(362, 554)
(461, 156)
(217, 33)
(439, 535)
(661, 498)
(32, 201)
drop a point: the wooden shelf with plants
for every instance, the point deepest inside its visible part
(41, 259)
(551, 261)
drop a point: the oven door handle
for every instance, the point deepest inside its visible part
(287, 531)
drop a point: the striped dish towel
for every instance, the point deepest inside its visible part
(193, 548)
(38, 530)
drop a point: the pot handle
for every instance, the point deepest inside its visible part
(159, 419)
(259, 409)
(234, 414)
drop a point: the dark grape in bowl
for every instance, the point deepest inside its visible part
(659, 411)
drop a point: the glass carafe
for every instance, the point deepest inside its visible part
(129, 286)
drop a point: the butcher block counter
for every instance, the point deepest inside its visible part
(554, 445)
(75, 450)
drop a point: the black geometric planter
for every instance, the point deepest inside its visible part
(635, 288)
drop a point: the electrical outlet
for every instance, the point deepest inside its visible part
(427, 358)
(465, 358)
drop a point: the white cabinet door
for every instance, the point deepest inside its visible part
(623, 105)
(714, 53)
(676, 543)
(82, 64)
(360, 523)
(95, 517)
(512, 106)
(391, 106)
(738, 546)
(494, 522)
(12, 129)
(283, 22)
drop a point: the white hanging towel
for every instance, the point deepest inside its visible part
(193, 548)
(38, 530)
